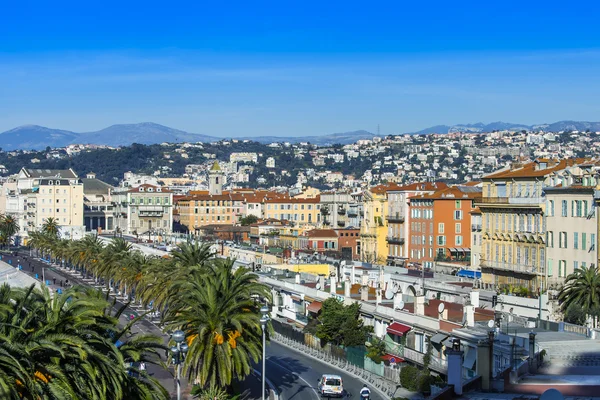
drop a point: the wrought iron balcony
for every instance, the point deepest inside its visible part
(395, 240)
(475, 227)
(517, 268)
(397, 217)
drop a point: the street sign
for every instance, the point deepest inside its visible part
(393, 360)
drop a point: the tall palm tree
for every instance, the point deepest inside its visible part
(8, 228)
(190, 254)
(51, 227)
(582, 288)
(217, 311)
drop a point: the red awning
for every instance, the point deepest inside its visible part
(314, 307)
(296, 298)
(398, 329)
(389, 357)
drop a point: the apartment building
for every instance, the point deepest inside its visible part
(149, 210)
(476, 226)
(398, 218)
(337, 208)
(40, 194)
(571, 225)
(514, 228)
(373, 231)
(440, 227)
(300, 211)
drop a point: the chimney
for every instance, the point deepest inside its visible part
(297, 279)
(332, 284)
(469, 311)
(475, 298)
(364, 293)
(365, 278)
(347, 287)
(322, 282)
(455, 366)
(397, 300)
(379, 297)
(420, 305)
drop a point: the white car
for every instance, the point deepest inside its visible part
(331, 386)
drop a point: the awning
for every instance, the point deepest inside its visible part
(448, 343)
(398, 329)
(470, 359)
(392, 358)
(438, 338)
(314, 307)
(453, 250)
(296, 298)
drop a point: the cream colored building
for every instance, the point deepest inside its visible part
(34, 195)
(571, 231)
(513, 248)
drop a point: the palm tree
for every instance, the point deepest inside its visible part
(217, 311)
(51, 227)
(190, 254)
(582, 288)
(8, 228)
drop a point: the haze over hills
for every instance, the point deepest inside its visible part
(34, 137)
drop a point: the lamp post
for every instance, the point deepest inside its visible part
(179, 351)
(264, 310)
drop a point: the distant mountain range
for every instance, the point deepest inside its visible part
(34, 137)
(500, 126)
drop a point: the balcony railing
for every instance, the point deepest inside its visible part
(395, 240)
(518, 268)
(512, 200)
(341, 223)
(436, 363)
(395, 217)
(494, 200)
(341, 211)
(352, 214)
(475, 227)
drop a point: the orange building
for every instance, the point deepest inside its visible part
(440, 227)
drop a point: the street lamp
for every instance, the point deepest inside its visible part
(264, 310)
(179, 351)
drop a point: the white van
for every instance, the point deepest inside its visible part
(331, 386)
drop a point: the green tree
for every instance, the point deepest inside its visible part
(217, 311)
(341, 325)
(581, 288)
(248, 220)
(8, 228)
(50, 227)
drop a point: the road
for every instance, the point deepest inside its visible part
(295, 375)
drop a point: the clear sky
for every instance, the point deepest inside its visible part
(292, 68)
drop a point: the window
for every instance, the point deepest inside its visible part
(578, 208)
(550, 212)
(441, 227)
(457, 227)
(562, 240)
(585, 208)
(458, 240)
(441, 240)
(550, 267)
(564, 209)
(584, 245)
(550, 239)
(458, 215)
(575, 265)
(457, 204)
(593, 241)
(576, 240)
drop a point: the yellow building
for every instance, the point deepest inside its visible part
(513, 248)
(373, 230)
(300, 211)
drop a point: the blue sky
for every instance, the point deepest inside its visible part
(296, 68)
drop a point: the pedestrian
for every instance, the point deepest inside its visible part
(61, 283)
(54, 281)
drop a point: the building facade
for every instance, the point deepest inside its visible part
(149, 210)
(300, 211)
(513, 248)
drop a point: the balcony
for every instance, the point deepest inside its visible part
(494, 200)
(475, 227)
(395, 240)
(516, 201)
(341, 211)
(395, 217)
(352, 214)
(517, 268)
(436, 364)
(341, 223)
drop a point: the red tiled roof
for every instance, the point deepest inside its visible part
(421, 186)
(322, 233)
(532, 170)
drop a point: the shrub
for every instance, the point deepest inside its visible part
(408, 377)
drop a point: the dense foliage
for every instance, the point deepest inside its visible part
(341, 324)
(206, 297)
(581, 294)
(66, 346)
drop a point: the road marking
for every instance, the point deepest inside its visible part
(296, 375)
